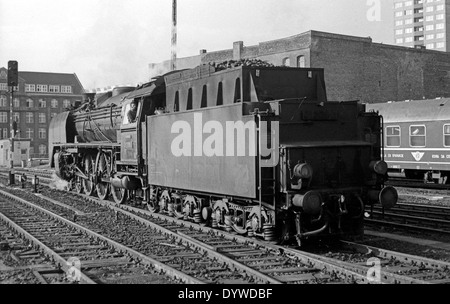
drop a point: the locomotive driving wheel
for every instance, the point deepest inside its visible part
(103, 170)
(88, 184)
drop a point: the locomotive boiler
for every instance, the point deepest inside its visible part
(253, 150)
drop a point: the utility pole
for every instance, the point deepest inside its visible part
(173, 59)
(13, 81)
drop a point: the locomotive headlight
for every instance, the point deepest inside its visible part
(303, 171)
(379, 167)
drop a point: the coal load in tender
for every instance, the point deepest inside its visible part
(243, 62)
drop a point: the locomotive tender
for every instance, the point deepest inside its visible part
(417, 138)
(254, 150)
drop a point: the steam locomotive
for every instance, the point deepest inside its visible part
(258, 151)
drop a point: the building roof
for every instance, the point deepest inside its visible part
(48, 78)
(414, 110)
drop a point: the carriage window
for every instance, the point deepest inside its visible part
(417, 136)
(447, 135)
(393, 136)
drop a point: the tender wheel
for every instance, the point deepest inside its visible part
(103, 170)
(120, 195)
(88, 184)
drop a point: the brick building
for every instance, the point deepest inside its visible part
(38, 98)
(355, 67)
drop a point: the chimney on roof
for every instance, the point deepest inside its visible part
(238, 50)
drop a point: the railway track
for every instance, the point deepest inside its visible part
(208, 257)
(288, 265)
(415, 184)
(82, 254)
(435, 219)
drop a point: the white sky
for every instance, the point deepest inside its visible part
(111, 42)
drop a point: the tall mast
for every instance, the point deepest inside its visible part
(173, 59)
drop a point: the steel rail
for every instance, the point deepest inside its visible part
(143, 258)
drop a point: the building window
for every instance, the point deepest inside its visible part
(399, 40)
(42, 149)
(3, 101)
(440, 35)
(408, 3)
(408, 39)
(29, 117)
(42, 118)
(66, 89)
(54, 103)
(409, 30)
(3, 117)
(53, 89)
(429, 27)
(16, 117)
(440, 17)
(286, 61)
(409, 21)
(430, 46)
(429, 18)
(66, 103)
(42, 103)
(399, 32)
(398, 14)
(398, 5)
(440, 7)
(430, 37)
(30, 103)
(3, 87)
(16, 103)
(408, 12)
(29, 134)
(393, 136)
(42, 133)
(417, 136)
(4, 133)
(439, 26)
(399, 23)
(301, 62)
(42, 88)
(440, 45)
(30, 88)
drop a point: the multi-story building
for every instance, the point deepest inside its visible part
(422, 24)
(356, 68)
(36, 100)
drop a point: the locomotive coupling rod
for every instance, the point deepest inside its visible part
(80, 174)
